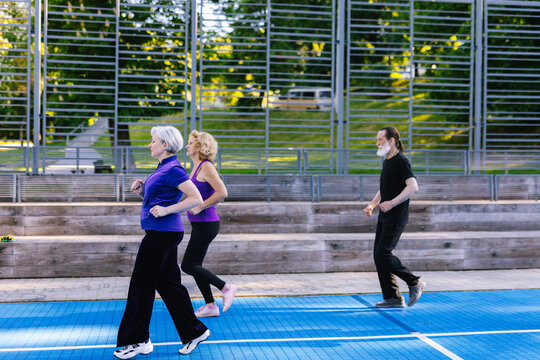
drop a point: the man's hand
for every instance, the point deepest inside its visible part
(368, 210)
(386, 206)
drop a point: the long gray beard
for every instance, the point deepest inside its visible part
(384, 151)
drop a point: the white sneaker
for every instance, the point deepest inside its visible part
(207, 311)
(228, 296)
(129, 351)
(190, 346)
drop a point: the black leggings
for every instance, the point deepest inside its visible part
(202, 234)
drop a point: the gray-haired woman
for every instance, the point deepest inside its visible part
(156, 265)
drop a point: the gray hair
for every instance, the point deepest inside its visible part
(169, 135)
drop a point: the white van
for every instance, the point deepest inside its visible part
(304, 98)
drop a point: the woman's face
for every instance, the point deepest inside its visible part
(157, 148)
(191, 148)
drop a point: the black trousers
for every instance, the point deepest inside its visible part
(389, 266)
(202, 234)
(156, 268)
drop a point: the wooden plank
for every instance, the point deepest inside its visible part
(51, 248)
(6, 260)
(498, 263)
(6, 272)
(266, 268)
(434, 265)
(283, 257)
(6, 248)
(61, 260)
(104, 229)
(80, 270)
(11, 220)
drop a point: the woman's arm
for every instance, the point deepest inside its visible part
(137, 187)
(209, 174)
(193, 198)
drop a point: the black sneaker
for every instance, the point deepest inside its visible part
(391, 303)
(415, 292)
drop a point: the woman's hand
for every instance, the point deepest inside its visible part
(137, 186)
(195, 210)
(159, 211)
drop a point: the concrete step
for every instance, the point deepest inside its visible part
(26, 219)
(113, 255)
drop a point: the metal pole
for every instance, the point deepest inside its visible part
(37, 86)
(339, 80)
(411, 74)
(201, 50)
(117, 167)
(268, 45)
(478, 84)
(28, 88)
(193, 125)
(186, 76)
(44, 100)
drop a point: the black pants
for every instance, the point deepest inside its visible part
(156, 268)
(202, 234)
(388, 265)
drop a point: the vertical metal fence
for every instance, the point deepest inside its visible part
(263, 77)
(511, 75)
(16, 82)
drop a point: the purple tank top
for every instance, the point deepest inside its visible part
(207, 215)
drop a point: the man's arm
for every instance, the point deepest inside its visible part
(368, 210)
(406, 194)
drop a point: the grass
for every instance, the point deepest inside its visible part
(284, 134)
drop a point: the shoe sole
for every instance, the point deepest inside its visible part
(196, 344)
(141, 353)
(206, 316)
(234, 289)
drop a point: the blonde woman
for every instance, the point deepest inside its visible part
(202, 149)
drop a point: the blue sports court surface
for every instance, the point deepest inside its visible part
(452, 325)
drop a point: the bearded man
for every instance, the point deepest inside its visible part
(397, 185)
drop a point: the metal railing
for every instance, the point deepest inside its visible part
(274, 187)
(136, 160)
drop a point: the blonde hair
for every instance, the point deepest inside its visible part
(205, 143)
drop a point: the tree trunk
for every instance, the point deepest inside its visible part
(128, 161)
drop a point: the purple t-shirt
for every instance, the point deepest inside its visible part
(206, 190)
(161, 188)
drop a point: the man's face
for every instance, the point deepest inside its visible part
(382, 143)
